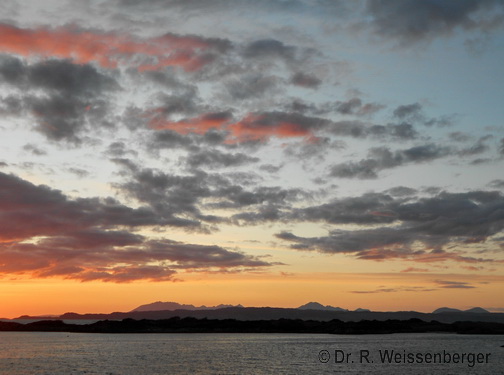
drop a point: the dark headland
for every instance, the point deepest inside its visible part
(193, 325)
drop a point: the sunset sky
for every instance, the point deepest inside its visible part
(263, 153)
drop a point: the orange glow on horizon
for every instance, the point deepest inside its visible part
(274, 290)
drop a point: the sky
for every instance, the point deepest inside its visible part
(263, 153)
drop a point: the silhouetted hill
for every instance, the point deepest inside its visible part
(478, 310)
(444, 310)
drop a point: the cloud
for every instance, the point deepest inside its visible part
(358, 129)
(44, 234)
(186, 198)
(269, 48)
(110, 49)
(198, 125)
(79, 172)
(413, 113)
(305, 80)
(355, 106)
(477, 148)
(409, 112)
(258, 126)
(401, 191)
(72, 99)
(250, 86)
(413, 269)
(215, 159)
(381, 158)
(29, 210)
(315, 147)
(394, 290)
(499, 184)
(262, 125)
(454, 284)
(34, 150)
(115, 256)
(411, 21)
(403, 227)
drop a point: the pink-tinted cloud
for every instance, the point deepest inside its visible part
(111, 50)
(413, 269)
(198, 125)
(252, 127)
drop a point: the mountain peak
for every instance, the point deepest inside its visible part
(476, 310)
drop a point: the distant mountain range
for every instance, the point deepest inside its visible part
(171, 306)
(318, 306)
(309, 311)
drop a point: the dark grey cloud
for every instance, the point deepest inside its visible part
(477, 148)
(401, 191)
(414, 113)
(459, 137)
(34, 150)
(381, 158)
(348, 241)
(250, 86)
(68, 78)
(355, 106)
(359, 129)
(217, 159)
(174, 197)
(409, 112)
(370, 208)
(305, 80)
(11, 106)
(29, 210)
(270, 168)
(12, 70)
(79, 172)
(501, 146)
(441, 221)
(119, 149)
(269, 48)
(177, 104)
(167, 79)
(480, 161)
(316, 148)
(412, 21)
(72, 99)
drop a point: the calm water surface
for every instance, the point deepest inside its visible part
(244, 354)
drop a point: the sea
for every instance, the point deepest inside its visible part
(53, 353)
